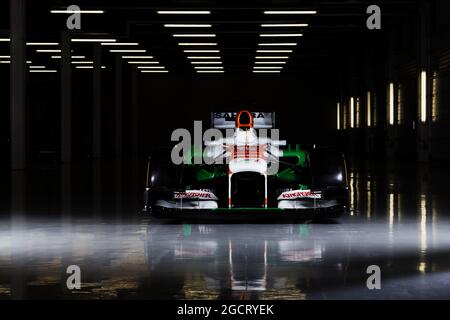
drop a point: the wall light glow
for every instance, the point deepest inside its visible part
(434, 98)
(399, 105)
(391, 104)
(358, 112)
(352, 112)
(369, 109)
(423, 96)
(338, 116)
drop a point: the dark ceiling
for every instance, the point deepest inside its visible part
(338, 28)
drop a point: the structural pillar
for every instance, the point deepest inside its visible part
(66, 98)
(118, 106)
(18, 84)
(134, 113)
(97, 103)
(424, 127)
(368, 99)
(392, 124)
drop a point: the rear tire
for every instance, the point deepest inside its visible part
(330, 175)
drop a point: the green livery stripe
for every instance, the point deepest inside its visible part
(246, 209)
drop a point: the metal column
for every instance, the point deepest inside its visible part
(18, 85)
(97, 104)
(66, 98)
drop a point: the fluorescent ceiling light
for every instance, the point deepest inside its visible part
(194, 35)
(143, 62)
(37, 67)
(4, 40)
(119, 44)
(78, 11)
(274, 51)
(5, 57)
(29, 62)
(197, 44)
(281, 35)
(267, 68)
(266, 71)
(290, 12)
(94, 40)
(72, 57)
(43, 71)
(201, 51)
(137, 57)
(209, 68)
(184, 25)
(5, 62)
(87, 67)
(151, 67)
(272, 57)
(276, 25)
(49, 50)
(130, 51)
(278, 44)
(42, 44)
(270, 62)
(184, 12)
(203, 57)
(206, 62)
(82, 62)
(211, 71)
(154, 71)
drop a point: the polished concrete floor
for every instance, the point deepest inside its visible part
(88, 216)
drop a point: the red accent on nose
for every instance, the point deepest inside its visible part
(244, 119)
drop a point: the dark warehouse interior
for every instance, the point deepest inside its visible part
(84, 107)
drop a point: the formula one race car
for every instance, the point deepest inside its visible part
(246, 172)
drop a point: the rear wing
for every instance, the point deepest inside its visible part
(226, 120)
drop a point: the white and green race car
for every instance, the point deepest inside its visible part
(247, 171)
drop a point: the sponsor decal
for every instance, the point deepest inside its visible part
(289, 195)
(231, 116)
(194, 194)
